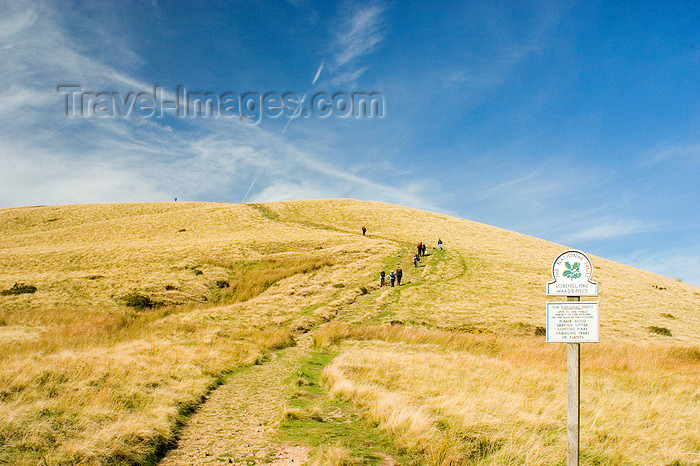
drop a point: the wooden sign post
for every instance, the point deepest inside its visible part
(573, 323)
(573, 404)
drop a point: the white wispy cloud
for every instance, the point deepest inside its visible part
(359, 34)
(538, 189)
(683, 264)
(495, 67)
(604, 229)
(50, 158)
(561, 204)
(349, 77)
(678, 152)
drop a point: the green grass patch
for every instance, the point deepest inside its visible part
(316, 419)
(404, 257)
(265, 211)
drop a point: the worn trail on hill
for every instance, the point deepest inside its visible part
(238, 424)
(239, 421)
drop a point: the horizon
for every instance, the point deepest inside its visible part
(574, 122)
(369, 234)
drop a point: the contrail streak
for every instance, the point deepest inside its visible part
(251, 185)
(297, 113)
(318, 72)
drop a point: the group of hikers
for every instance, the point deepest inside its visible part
(395, 277)
(421, 251)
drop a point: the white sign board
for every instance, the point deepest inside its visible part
(572, 272)
(573, 322)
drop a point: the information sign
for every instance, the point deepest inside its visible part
(572, 272)
(573, 322)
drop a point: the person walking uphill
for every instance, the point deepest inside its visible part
(364, 230)
(439, 245)
(392, 277)
(399, 274)
(382, 278)
(420, 248)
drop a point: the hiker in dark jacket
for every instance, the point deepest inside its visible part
(420, 248)
(382, 278)
(399, 274)
(364, 230)
(415, 260)
(392, 277)
(424, 248)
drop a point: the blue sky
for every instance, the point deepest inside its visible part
(577, 122)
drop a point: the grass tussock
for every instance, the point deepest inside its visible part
(333, 455)
(273, 338)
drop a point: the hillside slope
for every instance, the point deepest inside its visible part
(491, 276)
(140, 310)
(494, 277)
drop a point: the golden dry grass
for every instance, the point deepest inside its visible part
(483, 399)
(333, 455)
(86, 379)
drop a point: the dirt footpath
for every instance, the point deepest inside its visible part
(238, 423)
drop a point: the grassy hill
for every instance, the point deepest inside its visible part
(140, 310)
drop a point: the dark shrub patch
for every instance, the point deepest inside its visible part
(540, 331)
(338, 285)
(170, 287)
(222, 284)
(660, 331)
(197, 272)
(139, 301)
(19, 288)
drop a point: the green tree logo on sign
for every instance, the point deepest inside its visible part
(572, 271)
